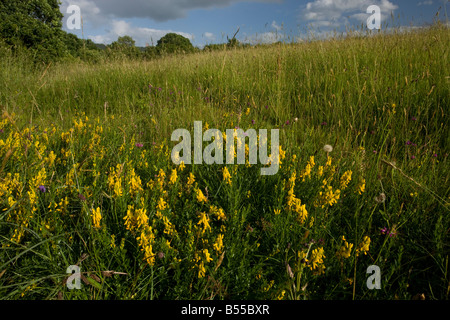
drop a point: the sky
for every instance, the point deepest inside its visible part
(259, 21)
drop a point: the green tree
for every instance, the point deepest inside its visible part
(125, 46)
(174, 43)
(35, 25)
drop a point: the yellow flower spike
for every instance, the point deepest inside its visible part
(345, 179)
(226, 175)
(96, 217)
(173, 177)
(200, 196)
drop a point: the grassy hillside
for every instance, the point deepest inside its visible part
(87, 177)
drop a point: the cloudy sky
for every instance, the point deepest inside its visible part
(211, 21)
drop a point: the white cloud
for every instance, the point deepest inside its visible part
(425, 3)
(209, 36)
(337, 13)
(276, 27)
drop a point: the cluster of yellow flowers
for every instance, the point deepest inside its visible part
(226, 175)
(363, 247)
(345, 250)
(294, 204)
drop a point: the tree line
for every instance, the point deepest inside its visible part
(36, 26)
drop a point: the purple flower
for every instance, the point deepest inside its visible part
(42, 189)
(435, 155)
(253, 121)
(375, 151)
(413, 118)
(139, 145)
(81, 197)
(392, 234)
(159, 89)
(384, 230)
(408, 143)
(287, 122)
(323, 123)
(413, 157)
(1, 131)
(267, 107)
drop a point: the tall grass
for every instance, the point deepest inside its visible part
(380, 101)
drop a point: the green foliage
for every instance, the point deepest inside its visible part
(36, 25)
(174, 43)
(125, 47)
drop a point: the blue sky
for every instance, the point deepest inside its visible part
(260, 21)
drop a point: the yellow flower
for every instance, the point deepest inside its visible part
(162, 205)
(96, 217)
(361, 187)
(277, 211)
(204, 220)
(191, 179)
(345, 179)
(181, 166)
(345, 250)
(201, 270)
(135, 183)
(207, 255)
(200, 196)
(173, 177)
(363, 246)
(226, 175)
(218, 245)
(316, 259)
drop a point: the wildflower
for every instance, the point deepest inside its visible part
(435, 155)
(135, 183)
(361, 187)
(207, 255)
(96, 217)
(323, 123)
(204, 220)
(42, 189)
(226, 176)
(317, 257)
(281, 295)
(363, 246)
(191, 179)
(413, 157)
(162, 205)
(218, 245)
(408, 143)
(329, 197)
(413, 118)
(384, 230)
(381, 198)
(345, 179)
(182, 166)
(200, 196)
(173, 177)
(277, 211)
(345, 250)
(139, 145)
(327, 148)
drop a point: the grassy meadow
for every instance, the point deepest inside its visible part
(86, 176)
